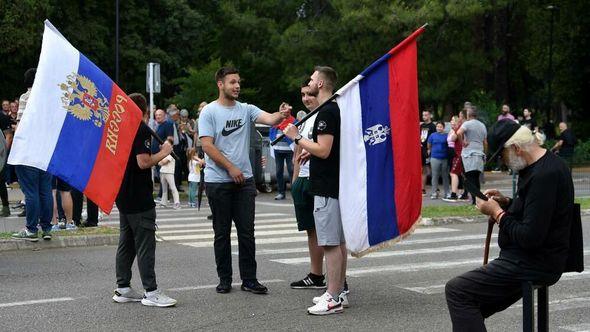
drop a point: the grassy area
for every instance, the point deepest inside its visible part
(449, 211)
(584, 202)
(102, 230)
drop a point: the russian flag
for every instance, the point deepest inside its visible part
(77, 124)
(380, 169)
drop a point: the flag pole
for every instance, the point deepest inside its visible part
(161, 141)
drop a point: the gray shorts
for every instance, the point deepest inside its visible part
(328, 224)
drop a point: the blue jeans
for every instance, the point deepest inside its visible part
(36, 186)
(192, 192)
(281, 157)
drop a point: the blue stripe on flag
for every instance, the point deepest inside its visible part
(79, 140)
(381, 218)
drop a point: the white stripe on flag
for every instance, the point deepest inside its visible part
(33, 144)
(353, 170)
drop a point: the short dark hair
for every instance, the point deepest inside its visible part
(329, 75)
(140, 101)
(305, 83)
(440, 123)
(30, 77)
(224, 71)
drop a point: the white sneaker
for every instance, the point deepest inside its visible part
(176, 206)
(343, 298)
(327, 305)
(157, 299)
(127, 294)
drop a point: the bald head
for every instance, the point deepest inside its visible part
(160, 116)
(562, 126)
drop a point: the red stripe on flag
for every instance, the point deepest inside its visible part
(115, 147)
(403, 101)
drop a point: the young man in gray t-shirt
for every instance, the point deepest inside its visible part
(224, 131)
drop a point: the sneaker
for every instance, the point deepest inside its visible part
(62, 224)
(311, 281)
(5, 211)
(279, 197)
(70, 226)
(344, 298)
(88, 224)
(55, 228)
(326, 305)
(464, 196)
(22, 214)
(451, 198)
(345, 288)
(26, 235)
(253, 286)
(46, 235)
(157, 200)
(224, 287)
(157, 299)
(434, 196)
(176, 206)
(127, 294)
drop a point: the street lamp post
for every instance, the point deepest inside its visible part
(552, 8)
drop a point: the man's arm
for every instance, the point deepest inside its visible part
(274, 118)
(321, 149)
(211, 150)
(296, 165)
(146, 160)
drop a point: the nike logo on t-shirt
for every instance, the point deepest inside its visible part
(233, 124)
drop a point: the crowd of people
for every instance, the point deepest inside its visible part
(458, 151)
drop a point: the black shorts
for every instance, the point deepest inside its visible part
(59, 184)
(303, 201)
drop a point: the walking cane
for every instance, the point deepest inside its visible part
(486, 250)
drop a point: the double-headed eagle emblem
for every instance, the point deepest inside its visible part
(376, 134)
(83, 100)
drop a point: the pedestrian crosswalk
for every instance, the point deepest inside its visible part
(434, 253)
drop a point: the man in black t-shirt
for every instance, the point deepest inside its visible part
(427, 128)
(528, 121)
(137, 215)
(324, 176)
(565, 143)
(6, 124)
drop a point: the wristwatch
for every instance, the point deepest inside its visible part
(297, 138)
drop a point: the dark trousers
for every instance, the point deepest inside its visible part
(36, 186)
(91, 209)
(137, 238)
(230, 201)
(3, 191)
(282, 157)
(478, 294)
(473, 177)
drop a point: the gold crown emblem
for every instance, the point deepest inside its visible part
(83, 100)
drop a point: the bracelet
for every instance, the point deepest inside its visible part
(499, 215)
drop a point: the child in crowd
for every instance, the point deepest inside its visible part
(438, 152)
(167, 180)
(194, 176)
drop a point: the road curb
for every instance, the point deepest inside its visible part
(60, 242)
(466, 220)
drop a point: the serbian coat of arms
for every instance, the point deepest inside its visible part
(83, 100)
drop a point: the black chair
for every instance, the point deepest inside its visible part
(574, 263)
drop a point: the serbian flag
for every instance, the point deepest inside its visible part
(380, 168)
(77, 124)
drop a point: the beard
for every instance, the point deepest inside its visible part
(515, 162)
(314, 90)
(229, 94)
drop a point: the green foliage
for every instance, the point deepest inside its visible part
(582, 153)
(488, 52)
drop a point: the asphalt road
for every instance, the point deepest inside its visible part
(397, 289)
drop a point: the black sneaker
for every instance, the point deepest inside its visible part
(5, 211)
(451, 198)
(87, 224)
(345, 290)
(46, 235)
(223, 287)
(311, 281)
(464, 196)
(253, 286)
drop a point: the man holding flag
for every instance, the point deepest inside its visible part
(324, 149)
